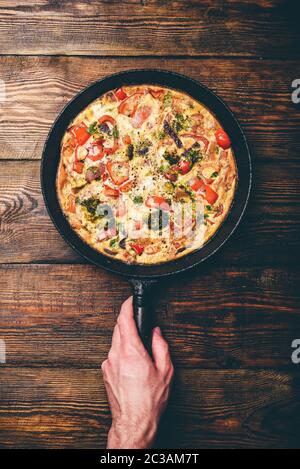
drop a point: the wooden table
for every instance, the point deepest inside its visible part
(231, 323)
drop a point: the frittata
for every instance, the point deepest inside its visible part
(147, 174)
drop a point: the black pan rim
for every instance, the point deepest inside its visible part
(104, 261)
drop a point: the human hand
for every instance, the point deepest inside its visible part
(137, 386)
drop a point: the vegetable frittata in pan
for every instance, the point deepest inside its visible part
(146, 175)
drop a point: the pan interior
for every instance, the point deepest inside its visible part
(51, 157)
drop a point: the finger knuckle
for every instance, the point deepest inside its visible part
(104, 365)
(111, 355)
(165, 348)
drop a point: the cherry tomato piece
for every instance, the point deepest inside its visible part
(137, 248)
(223, 139)
(184, 166)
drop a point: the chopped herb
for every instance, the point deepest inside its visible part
(96, 131)
(180, 123)
(214, 175)
(130, 151)
(163, 168)
(138, 199)
(169, 187)
(187, 190)
(161, 135)
(172, 158)
(193, 154)
(168, 99)
(217, 150)
(113, 242)
(206, 215)
(90, 204)
(143, 147)
(115, 132)
(171, 132)
(208, 207)
(93, 128)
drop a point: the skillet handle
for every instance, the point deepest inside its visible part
(142, 308)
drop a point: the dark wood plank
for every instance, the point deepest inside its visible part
(258, 91)
(132, 27)
(208, 409)
(63, 316)
(269, 233)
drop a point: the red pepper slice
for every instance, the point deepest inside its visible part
(127, 140)
(139, 249)
(197, 184)
(156, 93)
(111, 150)
(78, 167)
(111, 192)
(80, 133)
(71, 206)
(95, 151)
(80, 153)
(210, 195)
(223, 139)
(129, 106)
(120, 94)
(106, 118)
(62, 176)
(126, 186)
(118, 171)
(112, 121)
(200, 138)
(156, 201)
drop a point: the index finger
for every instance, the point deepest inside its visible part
(127, 325)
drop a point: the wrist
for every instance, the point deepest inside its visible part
(125, 436)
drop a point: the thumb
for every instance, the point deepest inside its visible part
(160, 350)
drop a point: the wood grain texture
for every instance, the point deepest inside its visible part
(230, 323)
(63, 316)
(209, 409)
(256, 28)
(269, 234)
(259, 92)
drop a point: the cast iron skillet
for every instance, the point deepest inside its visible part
(143, 277)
